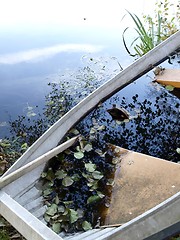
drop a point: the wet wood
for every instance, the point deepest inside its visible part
(141, 183)
(169, 77)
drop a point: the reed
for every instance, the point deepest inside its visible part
(153, 30)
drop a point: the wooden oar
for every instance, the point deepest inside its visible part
(37, 162)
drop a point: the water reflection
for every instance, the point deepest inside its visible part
(153, 128)
(42, 53)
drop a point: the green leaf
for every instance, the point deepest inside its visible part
(110, 182)
(90, 167)
(61, 209)
(93, 199)
(88, 147)
(78, 155)
(178, 150)
(115, 160)
(43, 174)
(50, 174)
(75, 177)
(56, 227)
(47, 217)
(101, 128)
(24, 146)
(60, 174)
(93, 185)
(73, 215)
(86, 226)
(52, 209)
(100, 194)
(97, 175)
(169, 88)
(74, 131)
(5, 145)
(93, 130)
(57, 201)
(67, 181)
(47, 192)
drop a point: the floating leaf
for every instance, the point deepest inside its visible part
(61, 209)
(118, 122)
(115, 160)
(86, 226)
(43, 174)
(110, 182)
(88, 147)
(56, 227)
(178, 150)
(67, 151)
(24, 146)
(102, 127)
(66, 203)
(60, 174)
(117, 150)
(93, 199)
(78, 155)
(75, 177)
(5, 145)
(85, 175)
(52, 209)
(90, 167)
(93, 185)
(97, 175)
(93, 130)
(47, 217)
(50, 174)
(169, 88)
(47, 192)
(100, 194)
(100, 152)
(73, 215)
(74, 131)
(67, 181)
(57, 201)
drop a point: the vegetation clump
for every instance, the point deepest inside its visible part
(77, 187)
(152, 30)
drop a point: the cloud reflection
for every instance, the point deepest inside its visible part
(41, 53)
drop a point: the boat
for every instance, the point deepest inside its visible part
(20, 199)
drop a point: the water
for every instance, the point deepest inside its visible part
(39, 41)
(83, 46)
(32, 61)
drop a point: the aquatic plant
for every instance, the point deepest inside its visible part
(77, 186)
(152, 30)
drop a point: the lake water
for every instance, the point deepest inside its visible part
(32, 54)
(55, 43)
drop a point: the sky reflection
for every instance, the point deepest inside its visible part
(42, 53)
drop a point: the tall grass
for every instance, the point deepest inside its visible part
(151, 31)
